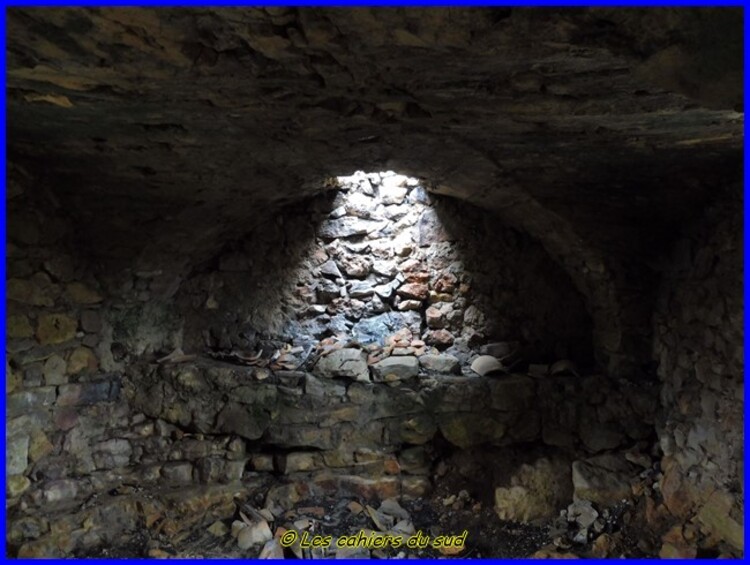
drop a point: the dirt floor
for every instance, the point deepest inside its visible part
(487, 536)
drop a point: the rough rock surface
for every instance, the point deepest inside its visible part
(328, 80)
(699, 345)
(600, 107)
(384, 283)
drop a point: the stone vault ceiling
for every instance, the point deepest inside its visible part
(166, 130)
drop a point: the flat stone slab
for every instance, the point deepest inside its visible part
(348, 363)
(396, 368)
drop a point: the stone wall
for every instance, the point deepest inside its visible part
(62, 404)
(699, 347)
(378, 255)
(55, 381)
(341, 364)
(329, 420)
(72, 434)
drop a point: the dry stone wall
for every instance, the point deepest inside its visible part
(378, 255)
(700, 348)
(366, 335)
(74, 443)
(90, 411)
(332, 418)
(59, 394)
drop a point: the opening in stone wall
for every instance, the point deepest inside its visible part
(380, 264)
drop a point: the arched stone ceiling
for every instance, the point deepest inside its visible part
(162, 131)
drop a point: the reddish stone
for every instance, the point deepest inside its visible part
(409, 265)
(674, 545)
(434, 318)
(439, 338)
(391, 466)
(317, 511)
(417, 291)
(418, 277)
(446, 283)
(657, 515)
(403, 335)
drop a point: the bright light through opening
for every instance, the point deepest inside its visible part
(377, 190)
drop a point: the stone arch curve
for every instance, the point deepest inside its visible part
(620, 317)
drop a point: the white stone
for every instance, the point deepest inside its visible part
(359, 205)
(385, 268)
(392, 194)
(254, 534)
